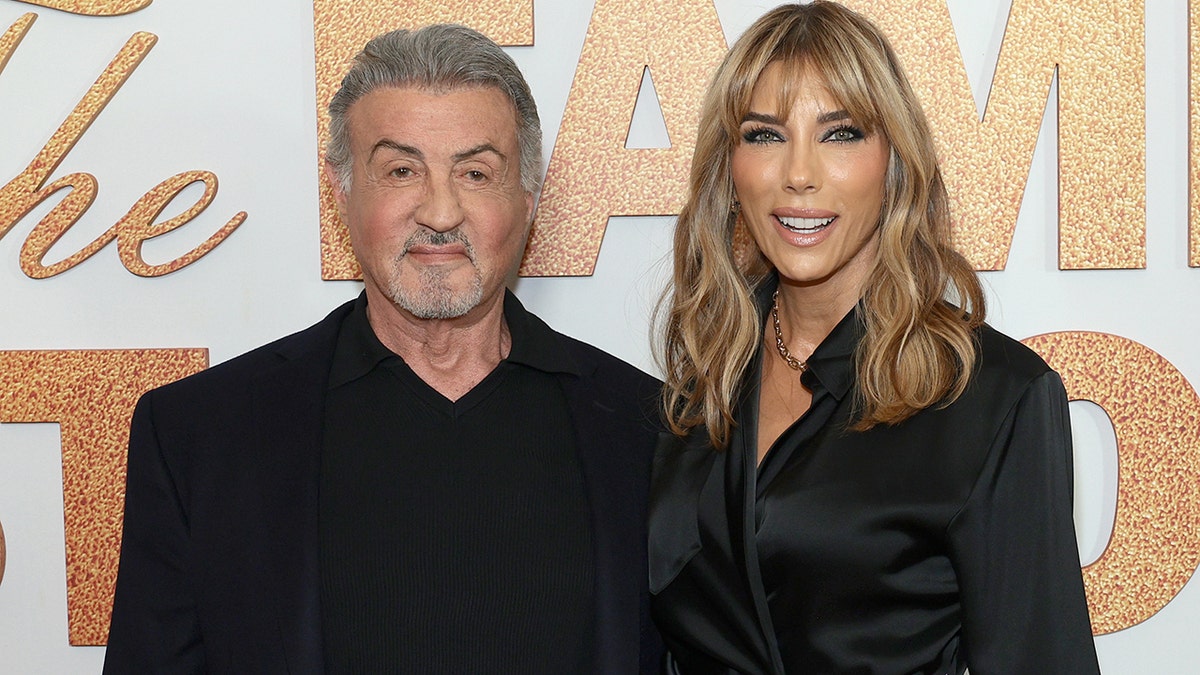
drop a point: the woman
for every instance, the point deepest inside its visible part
(863, 477)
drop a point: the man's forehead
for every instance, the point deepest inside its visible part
(476, 115)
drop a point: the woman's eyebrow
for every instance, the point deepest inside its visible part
(762, 117)
(833, 116)
(823, 118)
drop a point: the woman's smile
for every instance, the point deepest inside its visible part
(810, 183)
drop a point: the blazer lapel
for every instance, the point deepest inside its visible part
(289, 403)
(616, 493)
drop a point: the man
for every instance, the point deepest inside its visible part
(428, 481)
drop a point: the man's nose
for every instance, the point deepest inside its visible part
(440, 209)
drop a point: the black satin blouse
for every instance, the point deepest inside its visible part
(943, 542)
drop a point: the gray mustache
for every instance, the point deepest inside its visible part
(425, 237)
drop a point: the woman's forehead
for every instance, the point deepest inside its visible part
(781, 83)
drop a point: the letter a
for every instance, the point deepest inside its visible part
(592, 175)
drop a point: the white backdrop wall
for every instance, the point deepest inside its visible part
(229, 88)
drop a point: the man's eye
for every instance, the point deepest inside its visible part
(402, 172)
(476, 175)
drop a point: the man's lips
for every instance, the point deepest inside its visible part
(437, 251)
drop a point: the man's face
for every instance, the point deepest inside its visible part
(436, 212)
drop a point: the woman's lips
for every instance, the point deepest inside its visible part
(805, 225)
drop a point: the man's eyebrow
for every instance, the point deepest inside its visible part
(389, 144)
(478, 150)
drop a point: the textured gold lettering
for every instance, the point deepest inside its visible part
(93, 7)
(26, 191)
(1155, 543)
(138, 225)
(592, 175)
(12, 37)
(1097, 48)
(91, 394)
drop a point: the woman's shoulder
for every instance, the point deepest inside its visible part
(1005, 364)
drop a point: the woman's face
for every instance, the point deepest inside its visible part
(810, 185)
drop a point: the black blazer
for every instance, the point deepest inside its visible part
(218, 567)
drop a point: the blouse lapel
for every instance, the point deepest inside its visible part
(741, 486)
(681, 467)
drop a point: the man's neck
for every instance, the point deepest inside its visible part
(450, 355)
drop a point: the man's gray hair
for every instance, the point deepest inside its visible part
(440, 58)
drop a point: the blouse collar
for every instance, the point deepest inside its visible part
(832, 362)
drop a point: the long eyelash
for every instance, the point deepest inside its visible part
(856, 133)
(755, 135)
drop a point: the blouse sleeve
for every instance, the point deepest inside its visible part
(1013, 547)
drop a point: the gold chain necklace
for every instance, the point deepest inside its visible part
(793, 362)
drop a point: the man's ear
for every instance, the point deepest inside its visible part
(335, 183)
(530, 205)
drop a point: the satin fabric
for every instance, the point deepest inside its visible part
(942, 542)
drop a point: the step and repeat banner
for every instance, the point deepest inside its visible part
(162, 210)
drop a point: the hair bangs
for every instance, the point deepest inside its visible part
(805, 48)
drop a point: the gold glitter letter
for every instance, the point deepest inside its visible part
(93, 7)
(138, 225)
(91, 394)
(26, 191)
(592, 174)
(340, 29)
(1097, 48)
(1155, 543)
(13, 36)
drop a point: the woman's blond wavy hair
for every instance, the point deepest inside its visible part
(920, 305)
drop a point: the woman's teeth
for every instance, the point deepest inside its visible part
(805, 224)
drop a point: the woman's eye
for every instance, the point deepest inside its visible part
(761, 135)
(844, 134)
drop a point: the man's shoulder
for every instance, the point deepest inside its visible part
(314, 343)
(607, 371)
(603, 363)
(591, 361)
(615, 383)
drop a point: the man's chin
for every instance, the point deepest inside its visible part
(439, 303)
